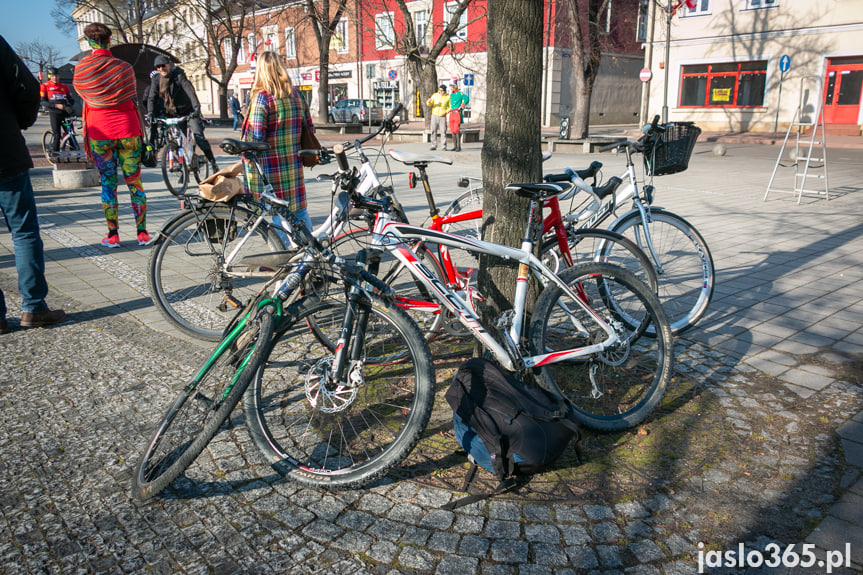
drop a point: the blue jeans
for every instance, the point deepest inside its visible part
(19, 210)
(236, 120)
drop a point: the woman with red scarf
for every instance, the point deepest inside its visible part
(112, 128)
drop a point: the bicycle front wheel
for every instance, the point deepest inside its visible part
(618, 387)
(201, 408)
(340, 434)
(47, 144)
(191, 282)
(683, 264)
(175, 171)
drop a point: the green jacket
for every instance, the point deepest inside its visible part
(458, 100)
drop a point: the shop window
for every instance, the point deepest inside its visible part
(734, 84)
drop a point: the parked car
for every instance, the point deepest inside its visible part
(356, 111)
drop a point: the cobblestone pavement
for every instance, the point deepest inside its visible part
(759, 441)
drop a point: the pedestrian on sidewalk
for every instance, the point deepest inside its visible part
(112, 129)
(276, 114)
(235, 111)
(457, 101)
(440, 107)
(19, 106)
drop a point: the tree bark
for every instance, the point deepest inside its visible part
(586, 56)
(511, 151)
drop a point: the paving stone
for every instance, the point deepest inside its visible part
(444, 542)
(582, 557)
(457, 565)
(468, 524)
(541, 533)
(417, 559)
(609, 555)
(598, 512)
(548, 554)
(606, 532)
(474, 546)
(503, 529)
(631, 509)
(853, 452)
(509, 551)
(852, 430)
(646, 551)
(574, 534)
(438, 519)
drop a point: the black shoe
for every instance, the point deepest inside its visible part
(42, 318)
(4, 327)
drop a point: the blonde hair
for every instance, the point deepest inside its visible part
(272, 77)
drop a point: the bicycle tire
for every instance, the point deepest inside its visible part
(47, 144)
(174, 171)
(685, 272)
(619, 387)
(187, 282)
(201, 170)
(197, 414)
(368, 434)
(412, 295)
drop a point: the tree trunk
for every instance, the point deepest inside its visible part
(511, 151)
(324, 85)
(425, 78)
(586, 56)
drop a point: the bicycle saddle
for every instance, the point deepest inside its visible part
(236, 147)
(539, 191)
(412, 159)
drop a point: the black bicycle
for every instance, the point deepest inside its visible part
(68, 138)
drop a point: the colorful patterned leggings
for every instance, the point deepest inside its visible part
(127, 153)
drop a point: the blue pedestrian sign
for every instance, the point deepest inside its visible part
(785, 63)
(468, 79)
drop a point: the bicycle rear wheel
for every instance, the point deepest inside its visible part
(618, 387)
(201, 408)
(683, 264)
(200, 168)
(189, 282)
(47, 144)
(340, 435)
(175, 170)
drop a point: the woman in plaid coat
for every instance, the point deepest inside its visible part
(276, 113)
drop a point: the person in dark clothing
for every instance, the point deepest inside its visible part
(235, 110)
(57, 99)
(179, 99)
(19, 106)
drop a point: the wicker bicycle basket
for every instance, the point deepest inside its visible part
(672, 149)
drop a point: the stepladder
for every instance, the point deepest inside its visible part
(809, 156)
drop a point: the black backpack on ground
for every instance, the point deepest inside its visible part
(507, 427)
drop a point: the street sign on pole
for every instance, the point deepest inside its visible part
(784, 66)
(645, 75)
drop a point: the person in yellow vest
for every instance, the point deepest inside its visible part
(440, 107)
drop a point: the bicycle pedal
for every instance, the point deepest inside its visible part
(232, 301)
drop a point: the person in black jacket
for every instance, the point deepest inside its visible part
(179, 99)
(19, 105)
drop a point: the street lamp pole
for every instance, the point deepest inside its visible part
(668, 14)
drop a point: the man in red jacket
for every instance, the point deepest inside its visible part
(57, 99)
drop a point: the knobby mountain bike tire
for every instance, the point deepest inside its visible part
(684, 268)
(203, 406)
(188, 282)
(344, 435)
(617, 388)
(175, 170)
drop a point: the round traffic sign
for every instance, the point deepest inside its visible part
(785, 63)
(393, 75)
(645, 75)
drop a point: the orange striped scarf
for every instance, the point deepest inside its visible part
(103, 81)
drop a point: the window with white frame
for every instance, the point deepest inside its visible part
(448, 10)
(251, 46)
(421, 25)
(271, 38)
(699, 7)
(290, 44)
(241, 55)
(756, 4)
(339, 39)
(384, 33)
